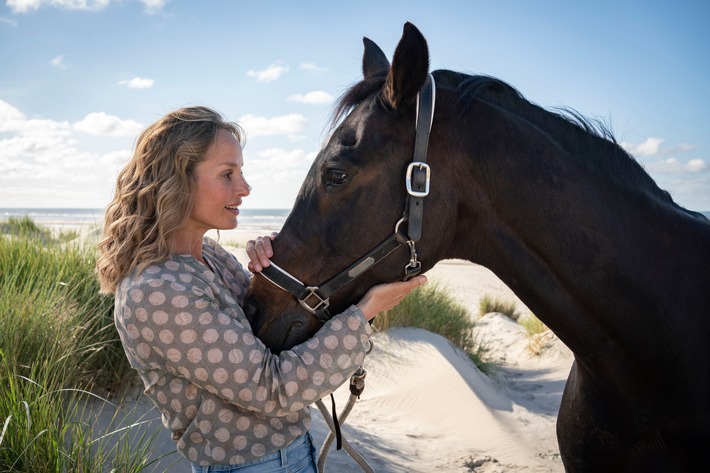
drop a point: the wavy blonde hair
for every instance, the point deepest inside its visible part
(155, 192)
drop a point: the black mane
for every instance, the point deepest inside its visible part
(583, 138)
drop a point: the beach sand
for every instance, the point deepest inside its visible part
(426, 407)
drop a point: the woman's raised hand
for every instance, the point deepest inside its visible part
(259, 251)
(385, 296)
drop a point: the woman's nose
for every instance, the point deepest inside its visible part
(244, 189)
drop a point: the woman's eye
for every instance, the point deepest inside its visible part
(337, 178)
(227, 175)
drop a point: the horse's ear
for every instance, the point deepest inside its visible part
(410, 67)
(374, 60)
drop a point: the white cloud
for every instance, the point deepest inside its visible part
(100, 123)
(42, 163)
(279, 165)
(673, 166)
(270, 74)
(650, 147)
(9, 114)
(9, 21)
(696, 165)
(293, 158)
(312, 66)
(281, 125)
(276, 175)
(153, 6)
(12, 120)
(137, 83)
(58, 62)
(115, 159)
(24, 6)
(43, 149)
(653, 147)
(683, 148)
(317, 97)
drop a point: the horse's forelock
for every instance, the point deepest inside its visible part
(354, 95)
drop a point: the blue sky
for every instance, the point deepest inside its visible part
(80, 78)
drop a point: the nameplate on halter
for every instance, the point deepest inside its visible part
(362, 267)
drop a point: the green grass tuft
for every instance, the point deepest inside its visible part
(58, 345)
(488, 305)
(431, 308)
(536, 332)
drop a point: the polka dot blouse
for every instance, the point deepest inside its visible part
(226, 398)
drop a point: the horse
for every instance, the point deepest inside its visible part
(550, 203)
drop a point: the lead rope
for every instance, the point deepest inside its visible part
(357, 386)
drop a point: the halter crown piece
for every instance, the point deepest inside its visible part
(316, 299)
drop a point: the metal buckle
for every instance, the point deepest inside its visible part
(322, 303)
(414, 266)
(408, 179)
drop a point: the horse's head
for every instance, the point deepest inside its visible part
(353, 197)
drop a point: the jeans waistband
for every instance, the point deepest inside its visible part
(280, 455)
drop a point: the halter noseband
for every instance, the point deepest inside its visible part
(316, 299)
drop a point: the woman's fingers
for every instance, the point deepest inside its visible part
(260, 251)
(386, 296)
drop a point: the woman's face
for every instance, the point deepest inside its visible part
(220, 186)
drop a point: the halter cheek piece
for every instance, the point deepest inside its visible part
(316, 299)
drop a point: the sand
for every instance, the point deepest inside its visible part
(426, 407)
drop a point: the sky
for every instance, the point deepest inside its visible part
(79, 79)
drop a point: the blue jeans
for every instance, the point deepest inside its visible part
(298, 457)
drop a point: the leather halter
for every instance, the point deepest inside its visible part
(316, 299)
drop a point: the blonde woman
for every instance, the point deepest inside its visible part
(230, 403)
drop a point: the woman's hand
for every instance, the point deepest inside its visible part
(385, 296)
(259, 252)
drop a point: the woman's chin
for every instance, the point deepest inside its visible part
(228, 225)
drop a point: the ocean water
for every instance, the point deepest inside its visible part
(258, 220)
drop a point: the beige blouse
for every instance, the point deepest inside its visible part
(226, 398)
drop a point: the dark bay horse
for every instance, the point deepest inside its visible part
(556, 209)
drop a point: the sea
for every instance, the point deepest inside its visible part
(256, 220)
(251, 220)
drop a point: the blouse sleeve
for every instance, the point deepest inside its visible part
(178, 326)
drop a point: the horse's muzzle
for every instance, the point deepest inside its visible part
(280, 331)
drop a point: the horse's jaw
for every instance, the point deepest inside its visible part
(281, 324)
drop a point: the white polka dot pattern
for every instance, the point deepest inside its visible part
(222, 393)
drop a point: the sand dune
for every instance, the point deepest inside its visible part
(427, 408)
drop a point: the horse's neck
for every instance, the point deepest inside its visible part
(586, 256)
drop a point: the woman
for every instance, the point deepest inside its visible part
(230, 403)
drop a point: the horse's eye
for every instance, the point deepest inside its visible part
(337, 178)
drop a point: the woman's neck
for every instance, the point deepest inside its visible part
(186, 242)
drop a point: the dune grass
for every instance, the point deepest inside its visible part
(431, 308)
(51, 310)
(489, 304)
(535, 329)
(58, 348)
(533, 325)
